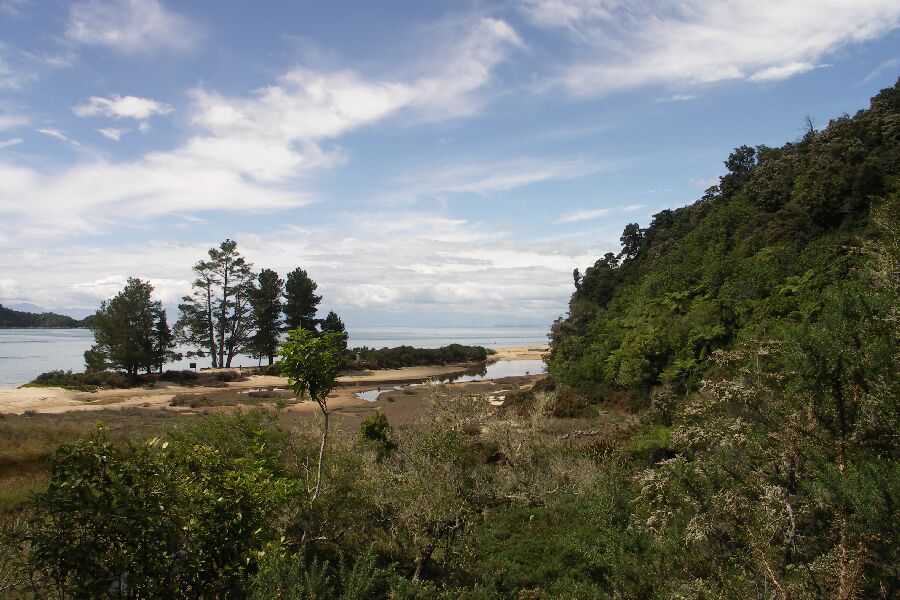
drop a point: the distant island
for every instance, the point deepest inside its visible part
(16, 319)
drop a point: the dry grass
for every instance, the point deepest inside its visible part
(26, 439)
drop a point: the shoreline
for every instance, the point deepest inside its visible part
(50, 400)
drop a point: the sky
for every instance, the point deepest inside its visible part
(440, 162)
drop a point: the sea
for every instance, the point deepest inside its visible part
(26, 353)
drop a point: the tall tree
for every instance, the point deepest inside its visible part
(130, 331)
(332, 323)
(164, 342)
(266, 304)
(215, 318)
(301, 301)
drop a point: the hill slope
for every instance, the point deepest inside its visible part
(755, 253)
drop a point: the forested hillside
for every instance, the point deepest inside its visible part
(756, 255)
(10, 318)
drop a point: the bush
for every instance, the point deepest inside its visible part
(183, 376)
(376, 432)
(88, 382)
(161, 520)
(569, 402)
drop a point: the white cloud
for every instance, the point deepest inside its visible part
(112, 133)
(122, 107)
(487, 177)
(10, 289)
(704, 182)
(779, 72)
(680, 98)
(10, 142)
(130, 26)
(10, 120)
(94, 197)
(577, 216)
(12, 77)
(622, 45)
(583, 215)
(888, 65)
(56, 133)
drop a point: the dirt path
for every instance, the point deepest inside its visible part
(58, 400)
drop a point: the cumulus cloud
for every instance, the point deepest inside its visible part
(623, 45)
(130, 26)
(122, 107)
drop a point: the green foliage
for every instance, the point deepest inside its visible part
(85, 382)
(407, 356)
(301, 301)
(376, 432)
(283, 574)
(215, 319)
(158, 519)
(332, 323)
(266, 304)
(311, 363)
(131, 332)
(753, 253)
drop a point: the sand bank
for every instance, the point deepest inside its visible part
(58, 400)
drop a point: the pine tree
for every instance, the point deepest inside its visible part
(266, 303)
(301, 301)
(216, 317)
(333, 324)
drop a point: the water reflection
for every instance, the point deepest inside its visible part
(497, 370)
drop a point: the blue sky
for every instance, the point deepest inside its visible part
(426, 162)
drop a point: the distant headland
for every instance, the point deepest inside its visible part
(16, 319)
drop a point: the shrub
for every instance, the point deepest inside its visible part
(87, 382)
(162, 520)
(183, 376)
(569, 402)
(376, 432)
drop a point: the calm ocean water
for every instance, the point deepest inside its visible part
(25, 353)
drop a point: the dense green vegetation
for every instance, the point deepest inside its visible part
(408, 356)
(723, 422)
(131, 333)
(10, 318)
(751, 259)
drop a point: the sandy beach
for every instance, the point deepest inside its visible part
(59, 400)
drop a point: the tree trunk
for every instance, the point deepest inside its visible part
(422, 560)
(223, 313)
(324, 408)
(211, 324)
